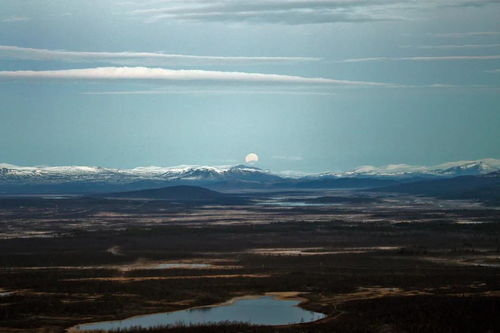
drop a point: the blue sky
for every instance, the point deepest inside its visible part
(308, 85)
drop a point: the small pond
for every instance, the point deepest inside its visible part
(261, 310)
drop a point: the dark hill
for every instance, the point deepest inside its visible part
(181, 193)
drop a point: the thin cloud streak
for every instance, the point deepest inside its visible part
(14, 19)
(466, 34)
(293, 12)
(139, 58)
(211, 92)
(452, 46)
(273, 11)
(267, 90)
(439, 58)
(145, 73)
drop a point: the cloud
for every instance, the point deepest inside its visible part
(466, 34)
(272, 11)
(145, 73)
(266, 90)
(494, 71)
(137, 58)
(467, 87)
(214, 91)
(13, 19)
(439, 58)
(294, 84)
(293, 11)
(454, 46)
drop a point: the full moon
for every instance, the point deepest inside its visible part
(252, 158)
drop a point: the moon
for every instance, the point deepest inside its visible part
(252, 158)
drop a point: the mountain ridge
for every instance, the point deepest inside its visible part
(88, 179)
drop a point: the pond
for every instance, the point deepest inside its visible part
(259, 310)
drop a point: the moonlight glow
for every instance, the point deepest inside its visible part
(252, 158)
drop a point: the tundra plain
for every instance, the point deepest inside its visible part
(371, 262)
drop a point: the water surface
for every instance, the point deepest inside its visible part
(261, 310)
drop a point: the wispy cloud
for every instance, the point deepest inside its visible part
(281, 90)
(137, 58)
(465, 34)
(454, 46)
(449, 86)
(494, 71)
(302, 85)
(271, 11)
(145, 73)
(13, 19)
(215, 91)
(438, 58)
(292, 11)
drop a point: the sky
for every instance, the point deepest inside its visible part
(316, 85)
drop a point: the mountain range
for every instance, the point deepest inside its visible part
(87, 179)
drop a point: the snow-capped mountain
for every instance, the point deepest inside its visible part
(451, 169)
(11, 174)
(84, 179)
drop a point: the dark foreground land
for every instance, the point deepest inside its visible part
(370, 262)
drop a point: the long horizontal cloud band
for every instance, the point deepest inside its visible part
(15, 52)
(441, 58)
(145, 73)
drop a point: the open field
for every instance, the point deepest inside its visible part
(370, 262)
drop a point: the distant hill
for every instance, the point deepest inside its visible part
(181, 193)
(484, 188)
(333, 182)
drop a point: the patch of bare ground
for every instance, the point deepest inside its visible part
(363, 293)
(115, 250)
(180, 277)
(477, 260)
(322, 301)
(145, 264)
(311, 251)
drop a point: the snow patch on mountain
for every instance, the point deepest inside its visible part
(58, 174)
(450, 169)
(12, 174)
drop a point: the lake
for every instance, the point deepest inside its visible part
(259, 310)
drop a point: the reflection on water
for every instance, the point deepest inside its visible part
(263, 310)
